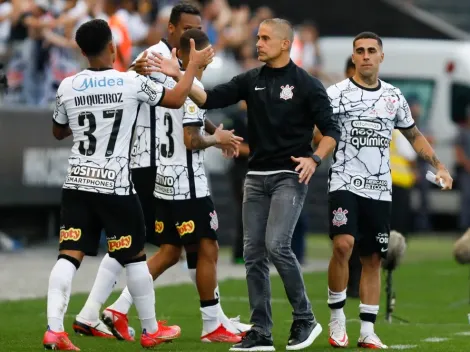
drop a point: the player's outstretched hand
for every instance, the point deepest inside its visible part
(169, 67)
(226, 137)
(306, 167)
(142, 65)
(444, 177)
(202, 57)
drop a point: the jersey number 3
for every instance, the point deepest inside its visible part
(107, 114)
(167, 150)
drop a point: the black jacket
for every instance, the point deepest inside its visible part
(284, 104)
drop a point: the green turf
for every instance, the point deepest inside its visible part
(432, 293)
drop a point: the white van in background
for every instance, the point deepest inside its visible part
(437, 71)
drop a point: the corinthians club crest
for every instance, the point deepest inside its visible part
(340, 218)
(286, 92)
(390, 106)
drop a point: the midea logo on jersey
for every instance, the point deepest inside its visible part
(83, 81)
(363, 134)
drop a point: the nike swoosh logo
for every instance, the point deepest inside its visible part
(383, 249)
(256, 88)
(354, 105)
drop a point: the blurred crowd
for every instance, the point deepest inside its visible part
(37, 47)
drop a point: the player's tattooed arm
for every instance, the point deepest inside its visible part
(422, 146)
(209, 127)
(194, 140)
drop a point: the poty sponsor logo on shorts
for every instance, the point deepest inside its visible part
(122, 242)
(159, 226)
(339, 217)
(70, 235)
(360, 182)
(214, 220)
(186, 227)
(91, 177)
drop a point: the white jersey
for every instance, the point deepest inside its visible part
(101, 107)
(145, 152)
(181, 173)
(367, 118)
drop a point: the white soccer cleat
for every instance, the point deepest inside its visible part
(338, 336)
(371, 341)
(240, 328)
(91, 328)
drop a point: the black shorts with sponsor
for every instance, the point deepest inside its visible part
(85, 214)
(144, 184)
(184, 222)
(368, 220)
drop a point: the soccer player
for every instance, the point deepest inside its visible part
(98, 106)
(145, 157)
(367, 110)
(185, 214)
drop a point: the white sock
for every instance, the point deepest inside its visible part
(192, 275)
(123, 303)
(333, 298)
(367, 327)
(210, 318)
(140, 284)
(58, 294)
(105, 281)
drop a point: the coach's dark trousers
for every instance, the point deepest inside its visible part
(271, 208)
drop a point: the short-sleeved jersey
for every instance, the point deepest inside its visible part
(101, 107)
(181, 173)
(367, 118)
(145, 152)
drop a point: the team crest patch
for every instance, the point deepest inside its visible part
(340, 217)
(286, 92)
(390, 105)
(214, 221)
(191, 109)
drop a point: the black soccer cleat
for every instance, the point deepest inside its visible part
(302, 334)
(253, 341)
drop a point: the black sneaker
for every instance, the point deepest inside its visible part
(254, 341)
(302, 334)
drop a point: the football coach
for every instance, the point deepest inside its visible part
(284, 104)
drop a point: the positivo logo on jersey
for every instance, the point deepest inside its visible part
(87, 176)
(83, 81)
(363, 134)
(360, 182)
(164, 185)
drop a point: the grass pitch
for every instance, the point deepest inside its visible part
(432, 294)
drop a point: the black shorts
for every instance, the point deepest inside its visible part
(144, 184)
(85, 214)
(185, 222)
(367, 220)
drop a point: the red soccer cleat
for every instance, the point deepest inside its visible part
(221, 334)
(118, 324)
(164, 334)
(58, 341)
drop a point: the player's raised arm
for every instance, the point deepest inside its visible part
(60, 127)
(220, 96)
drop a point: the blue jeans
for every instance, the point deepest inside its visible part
(271, 208)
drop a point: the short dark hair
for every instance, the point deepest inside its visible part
(179, 9)
(93, 36)
(368, 35)
(200, 39)
(349, 64)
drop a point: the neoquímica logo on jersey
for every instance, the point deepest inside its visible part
(83, 81)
